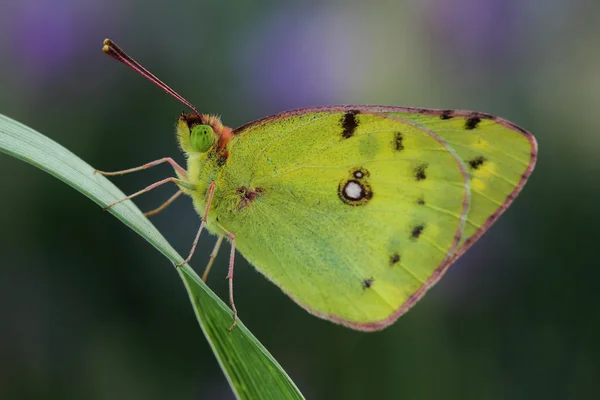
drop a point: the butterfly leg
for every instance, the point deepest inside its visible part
(178, 168)
(230, 277)
(212, 257)
(165, 204)
(147, 189)
(210, 193)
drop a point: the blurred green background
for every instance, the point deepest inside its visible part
(89, 310)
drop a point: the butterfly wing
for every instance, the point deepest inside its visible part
(356, 211)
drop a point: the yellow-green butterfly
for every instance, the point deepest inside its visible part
(353, 211)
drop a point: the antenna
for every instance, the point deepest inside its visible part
(115, 52)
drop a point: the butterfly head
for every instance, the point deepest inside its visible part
(197, 133)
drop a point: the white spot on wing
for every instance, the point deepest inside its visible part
(353, 191)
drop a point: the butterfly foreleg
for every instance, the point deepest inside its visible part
(180, 171)
(209, 197)
(147, 189)
(178, 168)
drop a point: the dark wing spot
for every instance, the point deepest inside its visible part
(354, 192)
(477, 162)
(472, 122)
(398, 137)
(421, 201)
(360, 173)
(420, 171)
(367, 283)
(349, 123)
(446, 114)
(417, 231)
(394, 258)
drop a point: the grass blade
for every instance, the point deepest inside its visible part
(251, 371)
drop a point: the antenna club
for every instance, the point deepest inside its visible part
(110, 48)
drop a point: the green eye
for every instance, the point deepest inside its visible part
(201, 138)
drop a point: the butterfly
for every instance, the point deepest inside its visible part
(354, 211)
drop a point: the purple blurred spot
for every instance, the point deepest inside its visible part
(48, 37)
(477, 30)
(44, 33)
(306, 56)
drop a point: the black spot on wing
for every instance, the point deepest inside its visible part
(394, 258)
(349, 123)
(420, 171)
(417, 231)
(367, 283)
(477, 162)
(398, 141)
(472, 122)
(421, 201)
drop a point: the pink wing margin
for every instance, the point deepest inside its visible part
(443, 267)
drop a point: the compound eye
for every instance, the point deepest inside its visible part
(202, 137)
